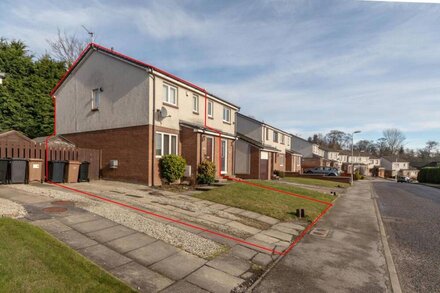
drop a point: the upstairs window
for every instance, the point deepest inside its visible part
(96, 93)
(275, 136)
(210, 109)
(282, 138)
(226, 115)
(170, 94)
(195, 103)
(267, 133)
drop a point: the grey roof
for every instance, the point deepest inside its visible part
(201, 127)
(394, 159)
(262, 122)
(257, 143)
(56, 140)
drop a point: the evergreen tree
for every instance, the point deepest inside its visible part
(25, 104)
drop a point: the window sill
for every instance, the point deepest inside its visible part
(196, 113)
(227, 122)
(170, 105)
(211, 117)
(94, 110)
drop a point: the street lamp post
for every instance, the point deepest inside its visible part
(352, 165)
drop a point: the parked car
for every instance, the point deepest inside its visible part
(327, 171)
(403, 179)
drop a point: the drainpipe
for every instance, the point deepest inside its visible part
(153, 152)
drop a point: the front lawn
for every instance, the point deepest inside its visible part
(33, 261)
(270, 203)
(316, 182)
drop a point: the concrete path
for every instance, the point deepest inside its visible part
(145, 263)
(349, 259)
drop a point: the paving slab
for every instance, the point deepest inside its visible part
(265, 238)
(75, 239)
(130, 242)
(214, 219)
(51, 225)
(152, 253)
(285, 229)
(262, 259)
(184, 287)
(218, 207)
(79, 218)
(233, 210)
(104, 256)
(268, 220)
(218, 239)
(291, 226)
(243, 252)
(230, 264)
(214, 280)
(278, 234)
(111, 233)
(242, 227)
(141, 278)
(179, 265)
(250, 214)
(91, 226)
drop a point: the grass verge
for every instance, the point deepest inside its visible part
(316, 182)
(267, 202)
(33, 261)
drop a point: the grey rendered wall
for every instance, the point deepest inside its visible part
(249, 128)
(123, 102)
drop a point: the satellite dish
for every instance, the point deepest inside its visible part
(163, 112)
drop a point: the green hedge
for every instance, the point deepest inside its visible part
(429, 175)
(206, 172)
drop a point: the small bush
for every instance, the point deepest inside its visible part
(206, 172)
(429, 175)
(172, 167)
(280, 174)
(357, 176)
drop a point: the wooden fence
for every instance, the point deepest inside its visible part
(38, 151)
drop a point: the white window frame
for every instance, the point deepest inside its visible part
(162, 136)
(227, 110)
(167, 94)
(196, 104)
(96, 96)
(210, 115)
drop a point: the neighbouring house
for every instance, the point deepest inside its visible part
(135, 113)
(359, 160)
(260, 149)
(293, 161)
(394, 166)
(374, 167)
(333, 156)
(312, 155)
(16, 137)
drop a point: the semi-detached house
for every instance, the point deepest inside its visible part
(136, 113)
(261, 149)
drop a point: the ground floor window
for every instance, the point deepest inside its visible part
(166, 144)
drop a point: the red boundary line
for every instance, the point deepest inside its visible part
(238, 240)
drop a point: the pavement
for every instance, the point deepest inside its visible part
(143, 262)
(343, 254)
(411, 215)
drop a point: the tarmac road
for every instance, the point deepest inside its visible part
(411, 215)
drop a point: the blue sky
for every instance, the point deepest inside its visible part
(303, 66)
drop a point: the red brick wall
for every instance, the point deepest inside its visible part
(190, 146)
(127, 145)
(255, 164)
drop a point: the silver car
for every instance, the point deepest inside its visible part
(327, 171)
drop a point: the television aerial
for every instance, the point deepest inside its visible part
(91, 34)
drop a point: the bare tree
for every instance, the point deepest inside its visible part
(394, 139)
(66, 47)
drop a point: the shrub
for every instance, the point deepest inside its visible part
(206, 172)
(429, 175)
(278, 173)
(357, 176)
(172, 167)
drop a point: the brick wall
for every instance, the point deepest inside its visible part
(127, 145)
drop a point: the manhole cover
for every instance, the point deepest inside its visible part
(53, 210)
(63, 203)
(320, 232)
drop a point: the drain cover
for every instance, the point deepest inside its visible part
(320, 232)
(53, 210)
(63, 203)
